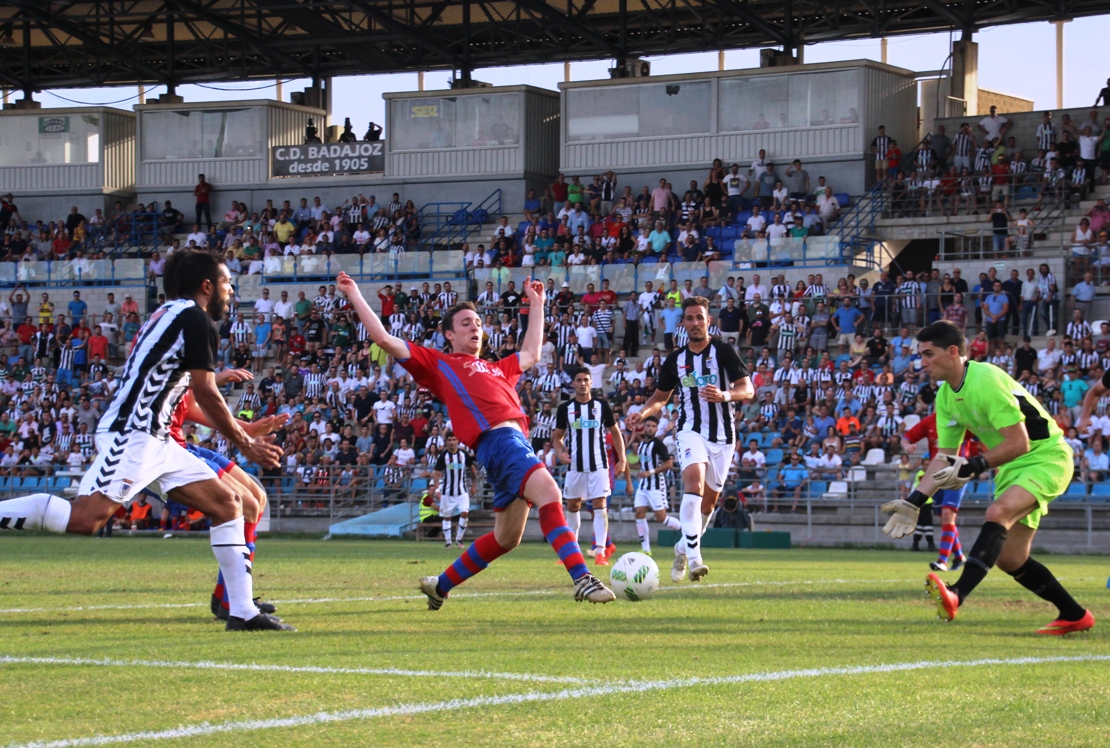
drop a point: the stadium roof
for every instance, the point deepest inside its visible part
(77, 43)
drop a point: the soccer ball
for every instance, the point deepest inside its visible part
(634, 577)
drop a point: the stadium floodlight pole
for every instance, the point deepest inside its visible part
(1034, 464)
(487, 417)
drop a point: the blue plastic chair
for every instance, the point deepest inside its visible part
(774, 457)
(1076, 491)
(817, 488)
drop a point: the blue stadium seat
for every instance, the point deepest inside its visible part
(620, 486)
(1100, 492)
(1076, 491)
(772, 474)
(843, 198)
(419, 484)
(770, 436)
(714, 231)
(754, 436)
(287, 485)
(5, 483)
(741, 219)
(774, 456)
(817, 488)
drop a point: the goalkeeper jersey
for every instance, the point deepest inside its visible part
(987, 401)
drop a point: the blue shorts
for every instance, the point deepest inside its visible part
(220, 465)
(948, 499)
(508, 459)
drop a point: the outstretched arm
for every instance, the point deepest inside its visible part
(532, 344)
(655, 403)
(1090, 402)
(394, 346)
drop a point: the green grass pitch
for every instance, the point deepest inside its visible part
(776, 648)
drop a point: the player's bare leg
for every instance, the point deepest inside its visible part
(574, 520)
(644, 533)
(601, 531)
(1004, 542)
(696, 512)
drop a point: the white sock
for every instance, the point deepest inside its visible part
(447, 531)
(462, 529)
(230, 549)
(690, 518)
(574, 522)
(39, 511)
(672, 523)
(601, 528)
(642, 531)
(707, 519)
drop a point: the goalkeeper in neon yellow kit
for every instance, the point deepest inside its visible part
(1034, 466)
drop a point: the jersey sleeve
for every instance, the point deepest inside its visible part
(200, 340)
(1000, 403)
(423, 364)
(918, 432)
(1106, 379)
(730, 359)
(660, 451)
(561, 417)
(950, 434)
(668, 374)
(606, 415)
(441, 463)
(510, 366)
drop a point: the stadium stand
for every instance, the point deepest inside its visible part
(828, 334)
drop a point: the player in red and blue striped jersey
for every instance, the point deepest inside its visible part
(946, 503)
(486, 416)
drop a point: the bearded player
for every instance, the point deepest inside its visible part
(709, 377)
(1034, 466)
(486, 416)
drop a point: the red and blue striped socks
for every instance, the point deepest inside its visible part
(553, 524)
(481, 553)
(949, 543)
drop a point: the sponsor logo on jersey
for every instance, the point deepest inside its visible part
(478, 366)
(691, 380)
(585, 423)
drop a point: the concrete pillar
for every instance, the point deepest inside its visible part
(1059, 63)
(566, 72)
(882, 51)
(965, 74)
(721, 59)
(279, 90)
(420, 80)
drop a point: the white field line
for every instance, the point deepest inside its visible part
(505, 593)
(320, 718)
(252, 667)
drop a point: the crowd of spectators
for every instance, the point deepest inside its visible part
(982, 170)
(269, 239)
(834, 369)
(606, 223)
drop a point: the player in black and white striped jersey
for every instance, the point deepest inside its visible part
(709, 377)
(449, 481)
(174, 350)
(581, 423)
(651, 490)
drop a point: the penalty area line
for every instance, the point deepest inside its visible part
(262, 667)
(320, 718)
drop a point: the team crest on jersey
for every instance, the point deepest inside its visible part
(478, 366)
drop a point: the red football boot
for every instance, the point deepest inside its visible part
(1060, 627)
(947, 602)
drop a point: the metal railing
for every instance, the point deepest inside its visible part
(76, 272)
(451, 223)
(439, 263)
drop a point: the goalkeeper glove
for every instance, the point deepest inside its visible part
(903, 518)
(959, 471)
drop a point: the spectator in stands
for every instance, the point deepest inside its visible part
(202, 193)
